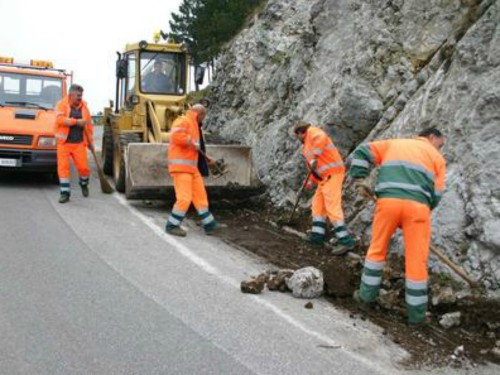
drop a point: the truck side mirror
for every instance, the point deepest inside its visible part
(121, 68)
(199, 74)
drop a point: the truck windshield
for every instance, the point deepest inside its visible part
(31, 91)
(163, 73)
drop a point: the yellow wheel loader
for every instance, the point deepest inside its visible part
(152, 80)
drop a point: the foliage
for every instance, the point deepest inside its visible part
(205, 25)
(196, 96)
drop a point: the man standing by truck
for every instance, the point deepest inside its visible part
(74, 134)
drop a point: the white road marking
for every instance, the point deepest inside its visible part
(207, 267)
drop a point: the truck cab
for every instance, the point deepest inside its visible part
(28, 97)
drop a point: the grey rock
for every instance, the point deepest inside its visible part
(306, 283)
(444, 295)
(450, 320)
(464, 293)
(389, 299)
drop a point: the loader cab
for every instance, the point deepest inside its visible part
(162, 73)
(157, 73)
(151, 91)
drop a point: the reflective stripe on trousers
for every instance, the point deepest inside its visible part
(371, 280)
(207, 219)
(175, 218)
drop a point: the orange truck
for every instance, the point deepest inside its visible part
(28, 97)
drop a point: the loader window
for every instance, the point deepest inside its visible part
(163, 73)
(129, 84)
(131, 75)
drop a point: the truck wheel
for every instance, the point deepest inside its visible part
(107, 151)
(119, 172)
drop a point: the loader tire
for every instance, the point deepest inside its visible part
(107, 151)
(119, 171)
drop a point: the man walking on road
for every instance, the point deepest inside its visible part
(183, 154)
(409, 185)
(327, 170)
(73, 126)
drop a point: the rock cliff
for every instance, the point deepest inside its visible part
(374, 70)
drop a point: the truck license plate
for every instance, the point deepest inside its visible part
(10, 162)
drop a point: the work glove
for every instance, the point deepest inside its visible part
(308, 185)
(81, 123)
(309, 189)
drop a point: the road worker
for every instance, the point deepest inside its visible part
(327, 171)
(74, 134)
(183, 153)
(409, 185)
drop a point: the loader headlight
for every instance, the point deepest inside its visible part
(47, 142)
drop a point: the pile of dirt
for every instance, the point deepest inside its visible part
(254, 228)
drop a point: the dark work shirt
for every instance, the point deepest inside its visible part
(157, 82)
(75, 132)
(202, 162)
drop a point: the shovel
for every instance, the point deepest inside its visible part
(297, 200)
(106, 187)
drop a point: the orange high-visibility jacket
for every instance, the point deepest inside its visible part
(319, 146)
(184, 144)
(409, 169)
(63, 121)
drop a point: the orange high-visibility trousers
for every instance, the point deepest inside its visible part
(327, 200)
(415, 220)
(76, 151)
(327, 203)
(189, 188)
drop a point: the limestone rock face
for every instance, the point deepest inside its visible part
(374, 70)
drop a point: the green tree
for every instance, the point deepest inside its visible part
(205, 25)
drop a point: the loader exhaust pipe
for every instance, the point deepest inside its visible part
(117, 95)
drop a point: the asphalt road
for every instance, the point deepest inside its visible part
(95, 287)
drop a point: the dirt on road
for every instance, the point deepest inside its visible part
(255, 227)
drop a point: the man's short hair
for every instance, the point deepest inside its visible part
(430, 131)
(301, 126)
(76, 88)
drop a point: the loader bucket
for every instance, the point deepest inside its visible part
(148, 178)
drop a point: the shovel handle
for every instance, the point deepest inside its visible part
(299, 195)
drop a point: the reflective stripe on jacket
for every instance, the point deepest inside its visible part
(319, 146)
(182, 155)
(409, 169)
(63, 117)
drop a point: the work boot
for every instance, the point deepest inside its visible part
(314, 241)
(85, 190)
(64, 197)
(343, 247)
(214, 228)
(364, 306)
(176, 231)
